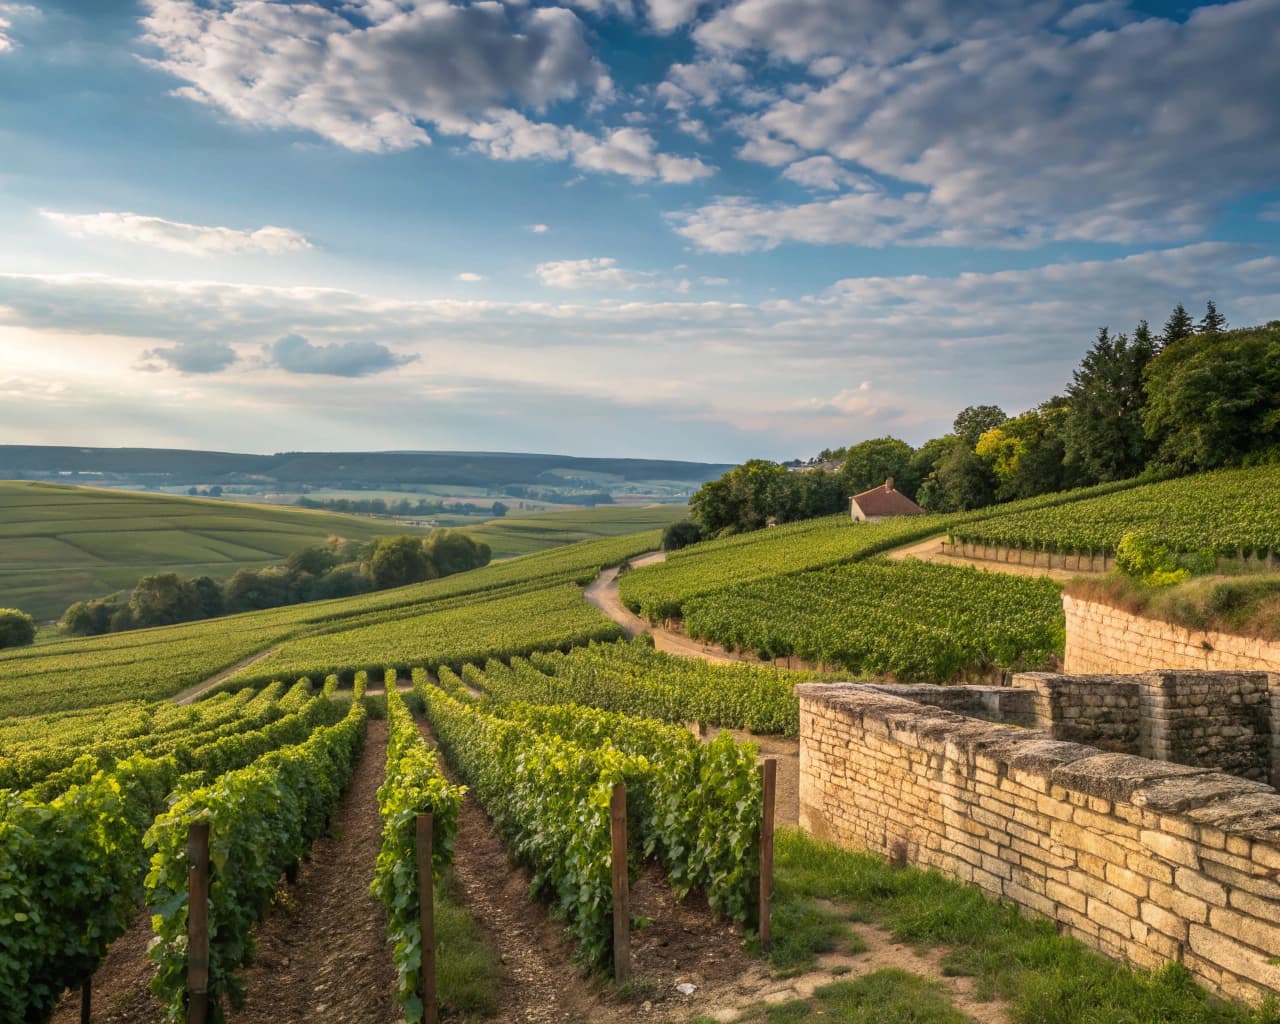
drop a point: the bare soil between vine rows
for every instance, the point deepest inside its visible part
(322, 951)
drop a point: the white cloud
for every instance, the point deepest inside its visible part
(703, 82)
(189, 357)
(373, 82)
(468, 277)
(601, 272)
(669, 15)
(821, 172)
(175, 236)
(631, 152)
(10, 12)
(1270, 212)
(539, 229)
(1017, 132)
(784, 372)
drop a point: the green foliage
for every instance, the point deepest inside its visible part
(545, 774)
(919, 621)
(1104, 432)
(869, 463)
(1230, 513)
(971, 423)
(635, 679)
(1214, 399)
(414, 785)
(17, 628)
(262, 819)
(1148, 561)
(71, 879)
(681, 535)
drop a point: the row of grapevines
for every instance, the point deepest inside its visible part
(71, 875)
(635, 679)
(262, 819)
(549, 800)
(202, 733)
(919, 621)
(545, 772)
(414, 785)
(699, 812)
(1232, 513)
(500, 627)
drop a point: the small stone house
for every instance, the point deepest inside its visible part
(881, 503)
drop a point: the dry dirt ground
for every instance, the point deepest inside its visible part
(193, 693)
(322, 952)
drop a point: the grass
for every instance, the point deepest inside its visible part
(522, 533)
(468, 974)
(883, 997)
(60, 544)
(1045, 978)
(1244, 605)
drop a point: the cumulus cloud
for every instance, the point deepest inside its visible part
(175, 236)
(627, 151)
(821, 172)
(468, 277)
(379, 76)
(600, 272)
(702, 82)
(373, 80)
(189, 357)
(296, 354)
(1011, 129)
(669, 15)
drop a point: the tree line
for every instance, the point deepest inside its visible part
(339, 568)
(1194, 397)
(403, 507)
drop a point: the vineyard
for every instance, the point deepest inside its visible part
(155, 663)
(917, 621)
(661, 591)
(1231, 513)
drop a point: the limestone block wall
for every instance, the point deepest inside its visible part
(990, 703)
(1144, 860)
(1104, 711)
(1102, 639)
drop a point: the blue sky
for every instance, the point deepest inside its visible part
(609, 227)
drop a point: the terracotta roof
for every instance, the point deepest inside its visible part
(885, 501)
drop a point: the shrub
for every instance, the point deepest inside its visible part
(1148, 561)
(681, 535)
(17, 628)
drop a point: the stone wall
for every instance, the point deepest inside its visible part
(1105, 639)
(1143, 860)
(1104, 711)
(990, 703)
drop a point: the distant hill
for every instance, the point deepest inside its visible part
(175, 467)
(60, 544)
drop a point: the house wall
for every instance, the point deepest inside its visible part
(1145, 861)
(1103, 639)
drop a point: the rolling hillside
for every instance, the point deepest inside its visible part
(60, 544)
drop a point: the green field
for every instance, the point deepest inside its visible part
(523, 533)
(60, 544)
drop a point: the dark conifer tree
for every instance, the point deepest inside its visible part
(1213, 321)
(1178, 326)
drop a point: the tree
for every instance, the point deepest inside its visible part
(498, 510)
(1178, 326)
(208, 595)
(746, 498)
(162, 600)
(680, 535)
(1104, 434)
(1213, 322)
(316, 559)
(1210, 405)
(397, 561)
(962, 481)
(869, 463)
(450, 551)
(249, 591)
(17, 628)
(972, 422)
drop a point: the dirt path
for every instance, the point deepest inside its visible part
(932, 550)
(193, 693)
(322, 950)
(602, 593)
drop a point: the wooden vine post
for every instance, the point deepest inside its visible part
(427, 918)
(86, 1001)
(198, 923)
(769, 781)
(621, 899)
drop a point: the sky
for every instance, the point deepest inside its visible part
(699, 229)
